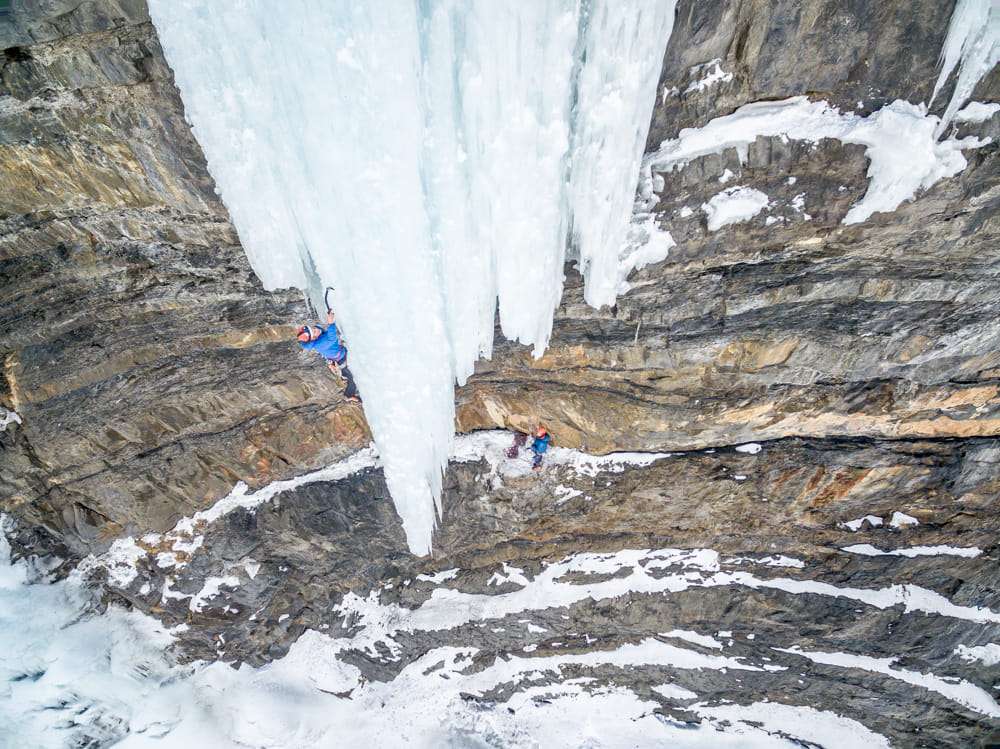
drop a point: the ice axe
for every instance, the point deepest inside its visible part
(326, 298)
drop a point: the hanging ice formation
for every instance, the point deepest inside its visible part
(428, 159)
(973, 46)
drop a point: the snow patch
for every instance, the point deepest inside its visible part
(566, 493)
(901, 143)
(855, 525)
(647, 244)
(799, 206)
(712, 74)
(674, 692)
(210, 589)
(751, 448)
(7, 418)
(988, 655)
(439, 577)
(120, 561)
(915, 551)
(956, 690)
(706, 641)
(806, 724)
(251, 567)
(901, 520)
(509, 575)
(772, 560)
(734, 205)
(977, 111)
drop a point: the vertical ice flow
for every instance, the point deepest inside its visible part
(429, 159)
(615, 98)
(973, 46)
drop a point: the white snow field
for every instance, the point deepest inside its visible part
(425, 159)
(72, 677)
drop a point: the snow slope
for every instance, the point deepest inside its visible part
(427, 160)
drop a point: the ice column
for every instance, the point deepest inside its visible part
(972, 45)
(429, 159)
(615, 98)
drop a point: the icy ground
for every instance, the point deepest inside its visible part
(70, 675)
(429, 161)
(73, 677)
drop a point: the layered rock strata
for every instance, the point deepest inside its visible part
(150, 373)
(149, 369)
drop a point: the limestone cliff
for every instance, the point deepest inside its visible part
(151, 373)
(150, 370)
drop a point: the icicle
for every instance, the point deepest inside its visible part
(972, 45)
(615, 98)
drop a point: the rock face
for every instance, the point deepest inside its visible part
(856, 55)
(150, 373)
(149, 368)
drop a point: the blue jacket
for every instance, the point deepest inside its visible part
(541, 444)
(328, 345)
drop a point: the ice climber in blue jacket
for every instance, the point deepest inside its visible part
(539, 445)
(327, 344)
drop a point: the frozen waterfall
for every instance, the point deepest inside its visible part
(429, 159)
(973, 46)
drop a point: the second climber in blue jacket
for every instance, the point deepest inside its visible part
(539, 445)
(327, 344)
